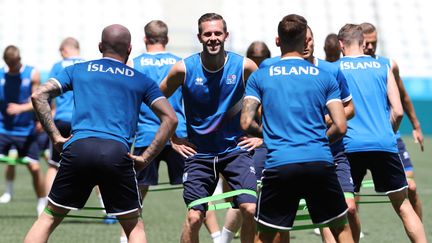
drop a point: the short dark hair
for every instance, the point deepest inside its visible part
(156, 31)
(70, 41)
(367, 28)
(209, 17)
(11, 52)
(351, 34)
(292, 31)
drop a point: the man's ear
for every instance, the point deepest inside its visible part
(101, 48)
(277, 41)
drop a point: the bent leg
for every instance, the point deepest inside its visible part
(413, 226)
(45, 225)
(192, 225)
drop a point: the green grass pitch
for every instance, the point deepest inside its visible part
(164, 212)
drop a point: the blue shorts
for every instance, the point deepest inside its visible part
(404, 155)
(259, 157)
(43, 141)
(26, 146)
(201, 176)
(65, 130)
(386, 168)
(343, 171)
(91, 162)
(150, 174)
(284, 186)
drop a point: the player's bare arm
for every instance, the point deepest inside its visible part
(247, 119)
(396, 112)
(42, 108)
(249, 68)
(408, 107)
(174, 79)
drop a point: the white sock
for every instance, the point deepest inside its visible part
(41, 204)
(9, 187)
(226, 236)
(216, 236)
(123, 239)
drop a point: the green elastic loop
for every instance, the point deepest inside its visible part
(349, 195)
(58, 215)
(13, 161)
(165, 188)
(221, 196)
(367, 184)
(372, 202)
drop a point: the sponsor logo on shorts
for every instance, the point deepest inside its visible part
(252, 170)
(185, 175)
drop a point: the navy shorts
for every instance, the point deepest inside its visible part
(259, 157)
(386, 168)
(43, 141)
(175, 165)
(343, 171)
(404, 155)
(284, 186)
(91, 162)
(201, 176)
(65, 130)
(26, 146)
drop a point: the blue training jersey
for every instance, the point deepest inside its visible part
(156, 66)
(370, 129)
(335, 71)
(294, 94)
(107, 97)
(64, 102)
(16, 88)
(213, 101)
(387, 61)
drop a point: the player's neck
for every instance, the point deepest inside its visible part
(292, 54)
(353, 51)
(155, 48)
(213, 62)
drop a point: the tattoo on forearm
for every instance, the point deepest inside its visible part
(42, 107)
(164, 132)
(247, 119)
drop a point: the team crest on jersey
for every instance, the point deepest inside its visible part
(231, 79)
(199, 81)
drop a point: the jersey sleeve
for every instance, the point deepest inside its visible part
(64, 78)
(252, 87)
(152, 93)
(333, 91)
(343, 86)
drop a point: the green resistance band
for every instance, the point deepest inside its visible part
(58, 215)
(220, 197)
(13, 161)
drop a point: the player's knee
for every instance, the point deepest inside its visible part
(195, 218)
(248, 209)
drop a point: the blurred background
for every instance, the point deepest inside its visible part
(404, 34)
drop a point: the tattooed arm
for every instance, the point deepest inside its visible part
(168, 118)
(42, 108)
(247, 119)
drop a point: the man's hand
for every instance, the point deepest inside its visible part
(250, 143)
(140, 162)
(418, 138)
(183, 146)
(58, 142)
(14, 109)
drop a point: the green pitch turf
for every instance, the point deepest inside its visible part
(164, 212)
